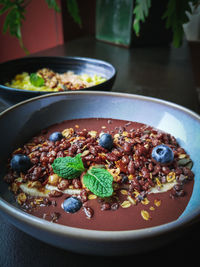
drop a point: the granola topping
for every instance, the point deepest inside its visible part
(50, 80)
(141, 187)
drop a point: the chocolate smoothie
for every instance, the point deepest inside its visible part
(102, 174)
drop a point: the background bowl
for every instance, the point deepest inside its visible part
(23, 120)
(79, 65)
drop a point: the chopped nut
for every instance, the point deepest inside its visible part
(105, 206)
(63, 184)
(14, 187)
(146, 146)
(55, 216)
(130, 177)
(171, 177)
(116, 136)
(55, 193)
(114, 206)
(68, 132)
(124, 133)
(115, 173)
(21, 198)
(92, 133)
(88, 212)
(38, 201)
(53, 179)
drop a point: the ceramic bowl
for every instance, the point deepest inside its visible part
(23, 120)
(79, 65)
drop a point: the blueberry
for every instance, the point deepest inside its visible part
(106, 141)
(20, 163)
(72, 204)
(162, 154)
(56, 136)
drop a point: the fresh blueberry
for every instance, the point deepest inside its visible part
(56, 136)
(162, 154)
(20, 163)
(106, 141)
(72, 204)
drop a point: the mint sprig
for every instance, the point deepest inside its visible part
(99, 182)
(36, 80)
(68, 167)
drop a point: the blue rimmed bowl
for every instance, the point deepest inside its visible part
(79, 65)
(23, 120)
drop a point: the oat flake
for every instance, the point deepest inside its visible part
(157, 202)
(145, 215)
(126, 204)
(92, 196)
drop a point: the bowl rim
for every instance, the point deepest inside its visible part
(99, 235)
(75, 58)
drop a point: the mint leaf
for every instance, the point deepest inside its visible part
(99, 182)
(36, 80)
(68, 167)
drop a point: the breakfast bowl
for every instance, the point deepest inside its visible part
(22, 121)
(95, 75)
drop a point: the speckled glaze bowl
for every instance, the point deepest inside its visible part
(23, 120)
(79, 65)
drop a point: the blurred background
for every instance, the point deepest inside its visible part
(44, 28)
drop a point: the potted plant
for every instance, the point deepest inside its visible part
(143, 21)
(175, 16)
(15, 14)
(133, 17)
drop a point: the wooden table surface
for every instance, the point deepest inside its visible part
(162, 72)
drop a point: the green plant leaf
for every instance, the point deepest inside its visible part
(73, 9)
(15, 14)
(36, 80)
(175, 16)
(68, 167)
(5, 8)
(53, 4)
(99, 182)
(141, 11)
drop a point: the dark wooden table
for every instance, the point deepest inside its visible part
(162, 72)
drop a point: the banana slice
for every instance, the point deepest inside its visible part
(44, 191)
(162, 188)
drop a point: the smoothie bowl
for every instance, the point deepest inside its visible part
(28, 77)
(100, 173)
